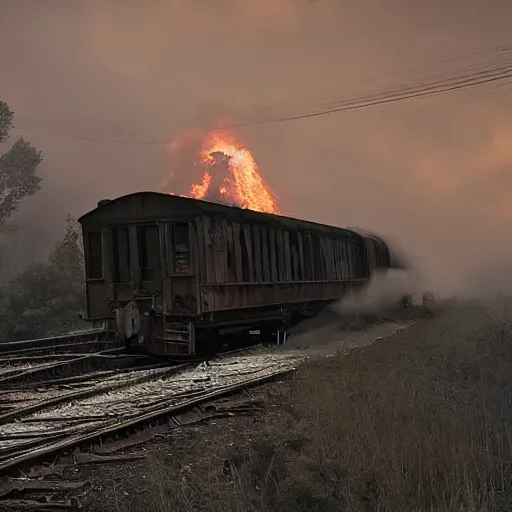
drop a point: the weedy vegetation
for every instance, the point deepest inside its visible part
(419, 422)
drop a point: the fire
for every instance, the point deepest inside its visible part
(230, 174)
(199, 191)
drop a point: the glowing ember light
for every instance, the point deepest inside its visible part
(231, 174)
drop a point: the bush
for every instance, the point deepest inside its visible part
(46, 298)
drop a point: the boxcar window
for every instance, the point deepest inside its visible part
(281, 257)
(332, 258)
(337, 259)
(351, 261)
(257, 256)
(344, 260)
(149, 254)
(294, 255)
(245, 248)
(357, 267)
(181, 249)
(230, 253)
(272, 251)
(327, 251)
(95, 256)
(359, 259)
(121, 256)
(318, 274)
(308, 262)
(265, 254)
(324, 253)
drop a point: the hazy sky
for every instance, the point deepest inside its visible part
(434, 173)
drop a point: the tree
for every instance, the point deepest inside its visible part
(47, 298)
(27, 300)
(17, 169)
(68, 268)
(6, 116)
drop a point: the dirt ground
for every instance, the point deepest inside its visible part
(229, 463)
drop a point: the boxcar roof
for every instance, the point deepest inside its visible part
(157, 205)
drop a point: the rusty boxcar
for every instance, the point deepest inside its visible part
(173, 273)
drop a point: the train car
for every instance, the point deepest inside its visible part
(174, 274)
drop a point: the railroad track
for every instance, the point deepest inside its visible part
(38, 360)
(85, 341)
(108, 362)
(91, 407)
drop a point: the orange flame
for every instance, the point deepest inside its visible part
(240, 184)
(199, 191)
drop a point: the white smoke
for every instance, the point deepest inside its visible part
(376, 303)
(383, 292)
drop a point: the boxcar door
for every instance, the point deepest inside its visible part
(136, 269)
(122, 289)
(148, 272)
(97, 274)
(180, 282)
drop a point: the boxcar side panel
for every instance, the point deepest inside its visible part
(251, 265)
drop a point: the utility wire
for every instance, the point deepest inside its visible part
(392, 96)
(474, 75)
(93, 139)
(425, 89)
(501, 50)
(496, 73)
(472, 93)
(462, 75)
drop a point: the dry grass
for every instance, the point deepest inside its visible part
(421, 422)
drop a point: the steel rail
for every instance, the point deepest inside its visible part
(87, 437)
(51, 348)
(7, 345)
(85, 393)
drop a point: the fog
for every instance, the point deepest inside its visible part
(433, 174)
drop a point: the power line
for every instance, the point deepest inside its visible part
(92, 139)
(495, 49)
(420, 86)
(467, 80)
(385, 98)
(463, 75)
(83, 122)
(497, 73)
(499, 49)
(482, 91)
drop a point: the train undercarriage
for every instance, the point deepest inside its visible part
(145, 330)
(167, 336)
